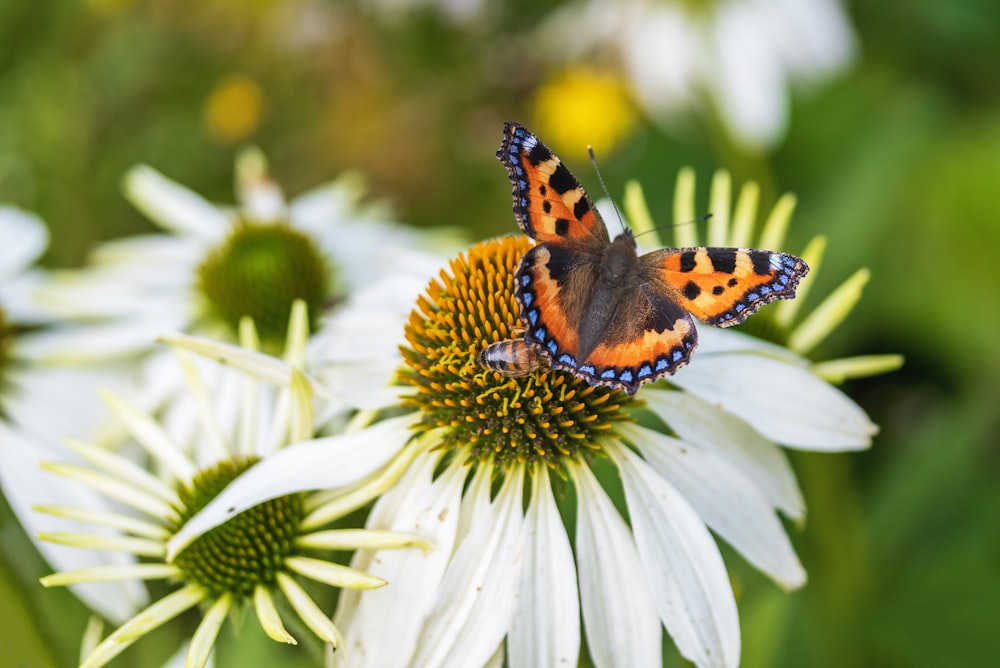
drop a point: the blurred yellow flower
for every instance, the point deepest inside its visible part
(234, 108)
(583, 107)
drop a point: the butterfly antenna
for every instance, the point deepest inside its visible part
(604, 187)
(659, 228)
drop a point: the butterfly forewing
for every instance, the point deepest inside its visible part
(549, 203)
(724, 286)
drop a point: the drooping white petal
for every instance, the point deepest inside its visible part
(381, 627)
(25, 485)
(726, 499)
(174, 207)
(619, 616)
(150, 435)
(270, 620)
(155, 615)
(309, 612)
(81, 412)
(783, 402)
(682, 565)
(71, 344)
(151, 260)
(710, 427)
(25, 238)
(475, 601)
(545, 630)
(204, 637)
(264, 367)
(316, 464)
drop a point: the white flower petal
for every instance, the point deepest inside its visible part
(381, 627)
(73, 344)
(546, 625)
(726, 499)
(746, 76)
(682, 565)
(784, 403)
(716, 340)
(315, 464)
(25, 238)
(619, 616)
(174, 207)
(25, 485)
(152, 259)
(661, 57)
(475, 601)
(729, 437)
(813, 38)
(204, 637)
(81, 412)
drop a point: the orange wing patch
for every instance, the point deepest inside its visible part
(539, 293)
(724, 286)
(549, 203)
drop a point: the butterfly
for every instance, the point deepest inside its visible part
(598, 309)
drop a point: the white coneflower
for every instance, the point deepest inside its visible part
(503, 580)
(258, 555)
(739, 57)
(38, 406)
(217, 264)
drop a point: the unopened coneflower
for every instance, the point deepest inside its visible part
(500, 468)
(258, 556)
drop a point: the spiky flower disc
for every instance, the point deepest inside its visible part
(548, 416)
(259, 270)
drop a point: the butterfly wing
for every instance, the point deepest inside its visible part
(650, 335)
(723, 286)
(549, 203)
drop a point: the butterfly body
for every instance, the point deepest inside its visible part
(597, 308)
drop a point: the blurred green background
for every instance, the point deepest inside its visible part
(896, 160)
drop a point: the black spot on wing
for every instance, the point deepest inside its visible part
(723, 259)
(547, 206)
(542, 189)
(664, 314)
(732, 282)
(581, 208)
(691, 291)
(562, 181)
(561, 261)
(539, 154)
(562, 226)
(761, 261)
(687, 261)
(718, 290)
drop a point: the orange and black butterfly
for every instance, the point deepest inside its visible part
(598, 309)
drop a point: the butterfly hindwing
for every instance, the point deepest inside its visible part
(723, 286)
(549, 203)
(647, 334)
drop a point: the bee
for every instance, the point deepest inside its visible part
(514, 358)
